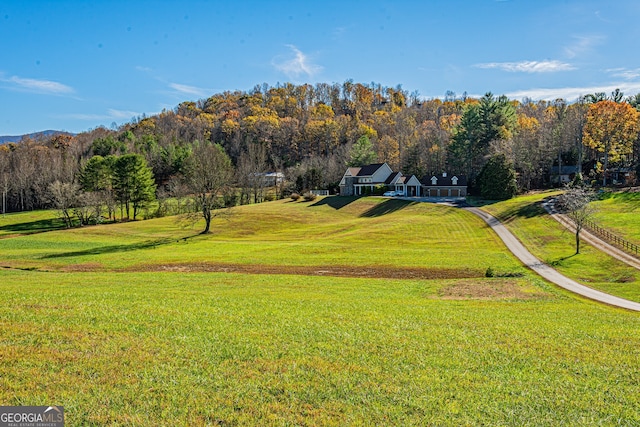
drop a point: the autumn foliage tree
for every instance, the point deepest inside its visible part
(611, 129)
(308, 132)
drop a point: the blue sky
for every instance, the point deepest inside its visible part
(76, 65)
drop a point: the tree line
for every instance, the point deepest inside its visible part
(310, 133)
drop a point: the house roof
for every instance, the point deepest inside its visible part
(409, 178)
(369, 170)
(444, 181)
(391, 177)
(353, 171)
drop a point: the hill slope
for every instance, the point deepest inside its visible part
(329, 233)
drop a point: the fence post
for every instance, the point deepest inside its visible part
(612, 238)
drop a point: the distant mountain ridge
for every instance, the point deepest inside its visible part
(35, 135)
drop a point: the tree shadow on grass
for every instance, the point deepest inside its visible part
(559, 261)
(39, 226)
(386, 207)
(335, 202)
(528, 211)
(149, 244)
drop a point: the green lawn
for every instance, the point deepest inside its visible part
(329, 232)
(118, 345)
(225, 349)
(553, 244)
(13, 224)
(620, 213)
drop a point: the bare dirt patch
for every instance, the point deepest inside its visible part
(86, 267)
(10, 236)
(486, 290)
(333, 271)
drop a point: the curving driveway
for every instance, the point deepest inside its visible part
(547, 272)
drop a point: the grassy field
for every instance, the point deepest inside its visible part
(13, 224)
(103, 327)
(372, 232)
(550, 242)
(620, 213)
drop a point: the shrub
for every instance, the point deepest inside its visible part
(309, 197)
(230, 198)
(379, 189)
(295, 196)
(497, 179)
(489, 272)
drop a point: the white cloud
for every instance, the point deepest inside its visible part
(47, 87)
(111, 114)
(601, 18)
(582, 45)
(122, 114)
(627, 74)
(190, 90)
(296, 66)
(143, 69)
(529, 66)
(573, 93)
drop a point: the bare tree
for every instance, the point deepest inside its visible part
(208, 172)
(574, 203)
(252, 167)
(5, 174)
(64, 197)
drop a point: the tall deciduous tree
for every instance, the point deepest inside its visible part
(251, 170)
(5, 174)
(208, 171)
(611, 129)
(64, 197)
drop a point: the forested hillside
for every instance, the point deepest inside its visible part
(309, 132)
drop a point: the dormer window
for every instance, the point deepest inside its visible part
(434, 180)
(454, 180)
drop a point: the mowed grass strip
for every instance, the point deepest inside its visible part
(552, 243)
(329, 232)
(228, 349)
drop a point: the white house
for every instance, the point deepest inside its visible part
(411, 186)
(363, 180)
(359, 181)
